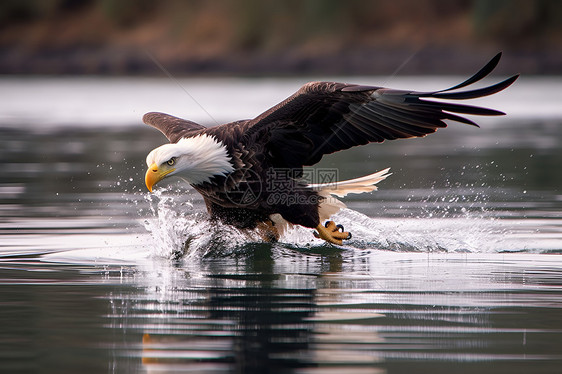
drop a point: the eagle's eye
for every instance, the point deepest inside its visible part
(171, 161)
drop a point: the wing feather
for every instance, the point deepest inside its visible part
(326, 117)
(173, 128)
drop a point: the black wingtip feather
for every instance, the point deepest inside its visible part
(454, 117)
(481, 92)
(423, 100)
(480, 74)
(456, 108)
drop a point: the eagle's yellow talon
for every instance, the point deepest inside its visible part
(331, 233)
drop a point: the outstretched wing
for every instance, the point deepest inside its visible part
(326, 117)
(173, 127)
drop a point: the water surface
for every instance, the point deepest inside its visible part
(454, 265)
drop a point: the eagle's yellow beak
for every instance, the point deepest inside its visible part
(155, 175)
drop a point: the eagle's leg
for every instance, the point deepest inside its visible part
(267, 231)
(331, 233)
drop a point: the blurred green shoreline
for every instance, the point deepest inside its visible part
(268, 37)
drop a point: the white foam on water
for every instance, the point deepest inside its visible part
(177, 228)
(177, 232)
(180, 230)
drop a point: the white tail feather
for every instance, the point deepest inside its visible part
(330, 205)
(357, 185)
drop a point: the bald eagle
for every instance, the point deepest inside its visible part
(250, 172)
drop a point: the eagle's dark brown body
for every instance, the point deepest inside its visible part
(321, 118)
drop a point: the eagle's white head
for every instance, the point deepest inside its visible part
(196, 160)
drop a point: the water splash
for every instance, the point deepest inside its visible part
(448, 217)
(421, 234)
(181, 230)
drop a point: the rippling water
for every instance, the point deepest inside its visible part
(454, 265)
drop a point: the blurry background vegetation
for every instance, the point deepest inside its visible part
(258, 37)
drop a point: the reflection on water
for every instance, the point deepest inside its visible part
(276, 310)
(95, 275)
(327, 311)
